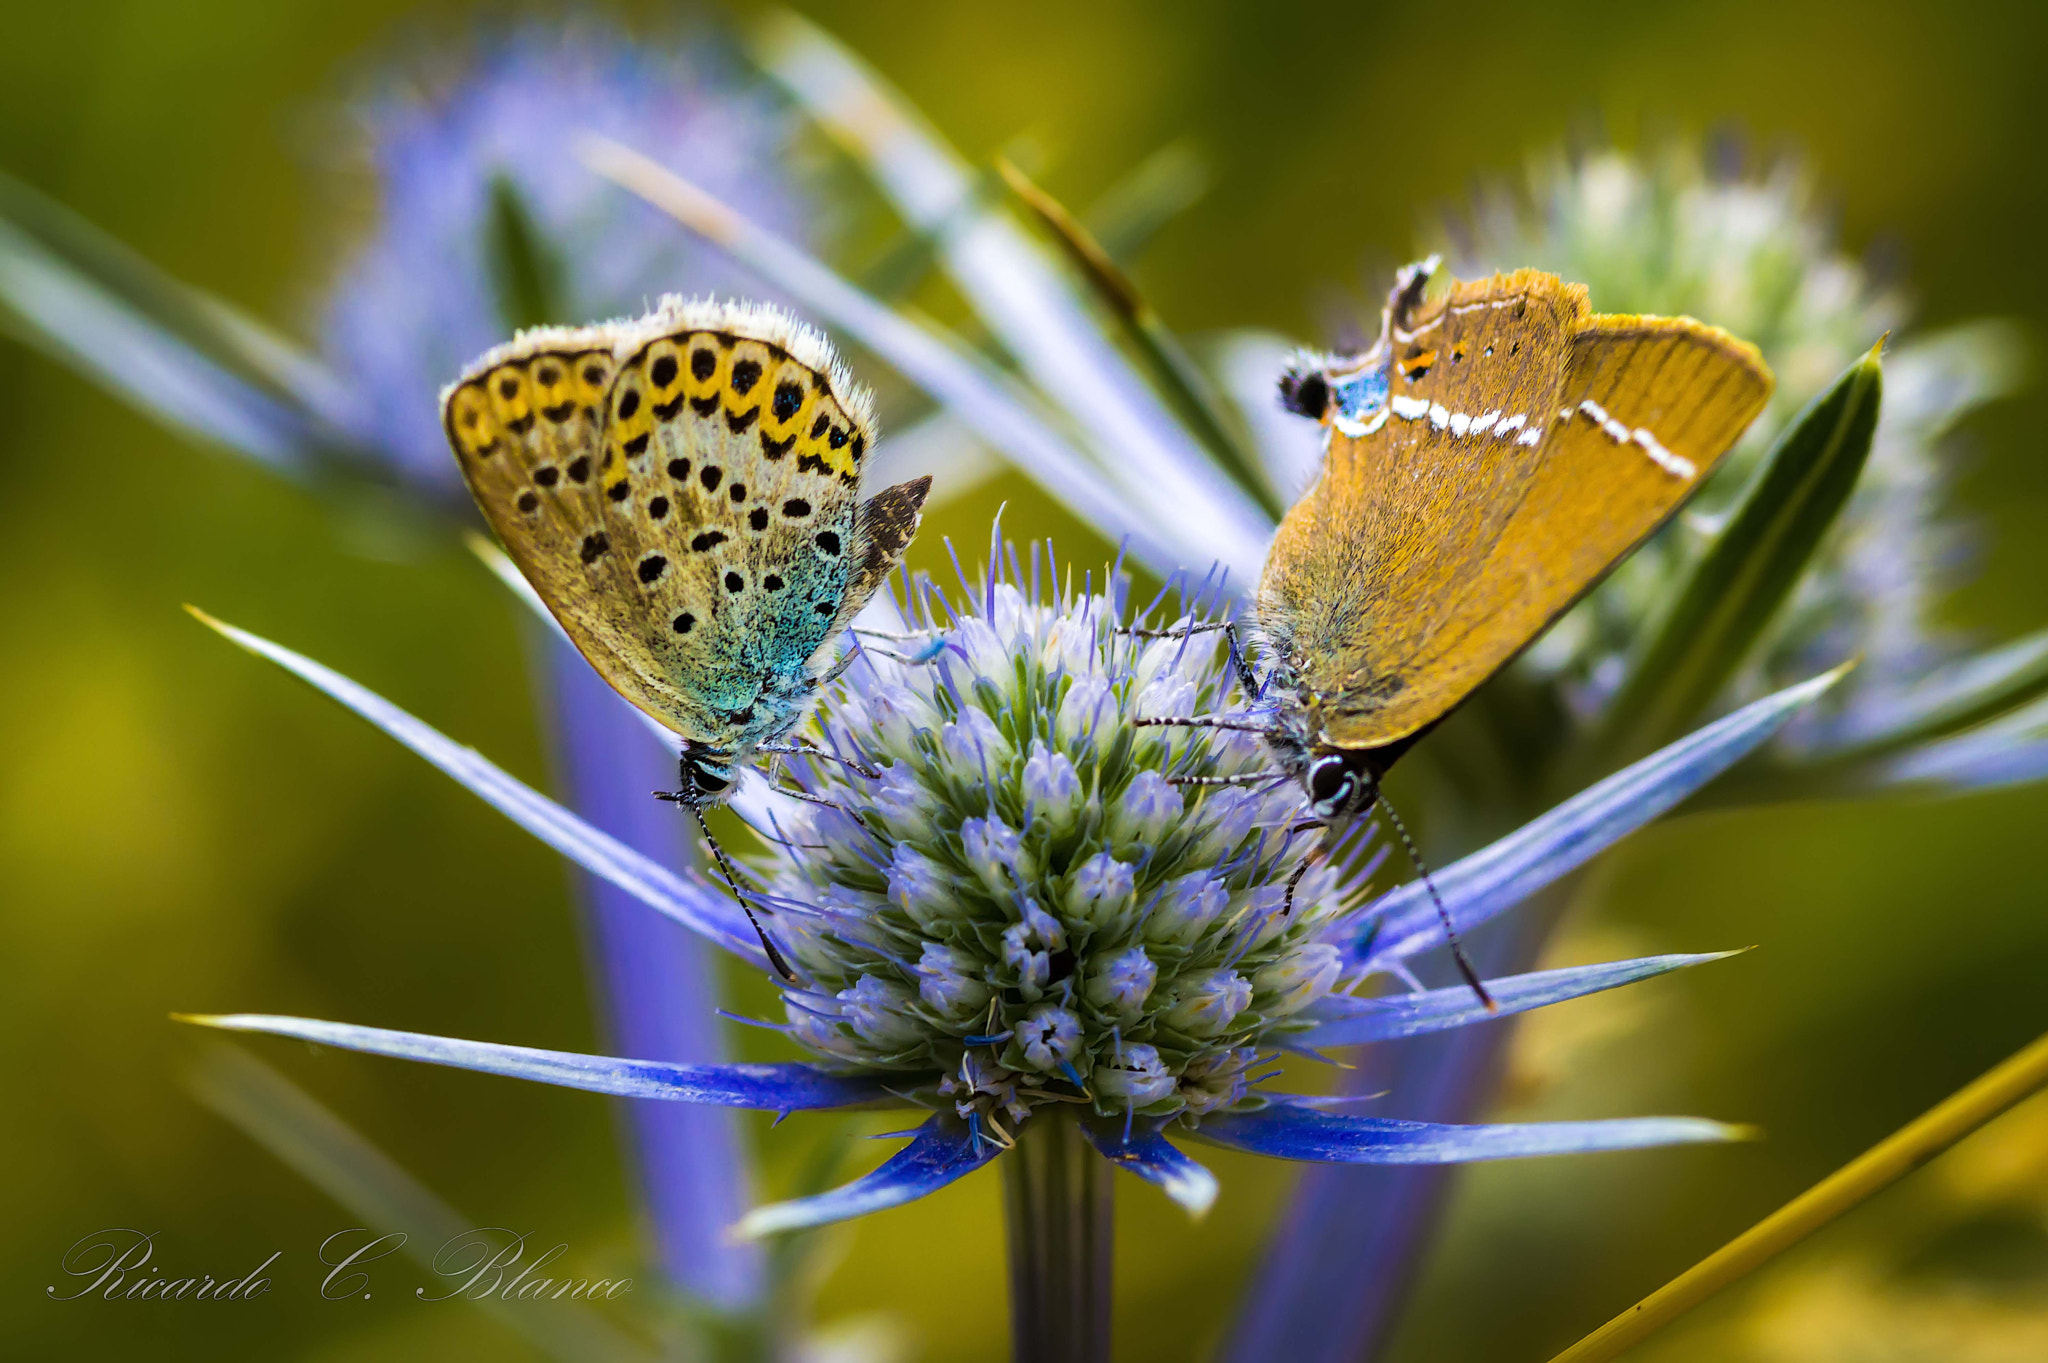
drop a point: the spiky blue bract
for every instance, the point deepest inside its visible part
(1498, 877)
(766, 1088)
(1285, 1130)
(1342, 1020)
(944, 1150)
(417, 300)
(1141, 1149)
(690, 901)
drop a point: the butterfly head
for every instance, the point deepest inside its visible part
(1341, 783)
(1305, 388)
(708, 775)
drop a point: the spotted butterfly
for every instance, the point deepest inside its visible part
(682, 490)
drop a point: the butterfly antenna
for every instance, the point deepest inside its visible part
(1443, 914)
(732, 882)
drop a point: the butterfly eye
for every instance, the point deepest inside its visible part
(707, 781)
(1305, 394)
(1330, 785)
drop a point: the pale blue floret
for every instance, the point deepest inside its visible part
(1123, 982)
(1082, 710)
(1285, 987)
(917, 883)
(945, 981)
(1052, 789)
(1150, 807)
(994, 852)
(1186, 909)
(879, 1011)
(1206, 1002)
(1135, 1076)
(1050, 1036)
(1102, 893)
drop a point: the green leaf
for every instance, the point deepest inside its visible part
(1716, 615)
(526, 274)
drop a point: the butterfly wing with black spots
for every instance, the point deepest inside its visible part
(682, 491)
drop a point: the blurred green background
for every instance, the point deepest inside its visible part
(184, 828)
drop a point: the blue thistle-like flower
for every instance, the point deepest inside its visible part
(1035, 902)
(1004, 902)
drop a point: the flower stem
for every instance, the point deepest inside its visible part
(1056, 1198)
(1875, 1169)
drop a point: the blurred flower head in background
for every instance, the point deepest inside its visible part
(486, 220)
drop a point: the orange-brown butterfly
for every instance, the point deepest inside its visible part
(1489, 459)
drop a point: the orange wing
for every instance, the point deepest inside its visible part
(1440, 543)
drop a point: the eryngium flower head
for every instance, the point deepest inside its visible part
(447, 150)
(1668, 231)
(1030, 902)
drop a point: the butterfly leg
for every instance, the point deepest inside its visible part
(1208, 722)
(1287, 903)
(812, 750)
(895, 636)
(853, 655)
(917, 659)
(1246, 778)
(1238, 661)
(793, 793)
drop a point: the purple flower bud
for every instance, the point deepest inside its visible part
(1102, 893)
(1149, 809)
(974, 742)
(1086, 706)
(814, 1020)
(1186, 907)
(880, 1012)
(945, 980)
(1205, 1001)
(1293, 982)
(920, 886)
(1071, 645)
(1122, 983)
(1135, 1076)
(1051, 787)
(898, 716)
(1229, 814)
(996, 852)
